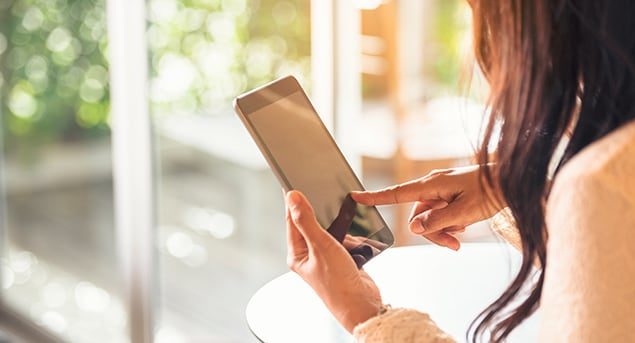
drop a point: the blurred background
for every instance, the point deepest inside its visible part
(218, 208)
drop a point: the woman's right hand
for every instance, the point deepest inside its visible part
(446, 201)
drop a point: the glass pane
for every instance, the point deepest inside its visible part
(221, 231)
(418, 115)
(58, 262)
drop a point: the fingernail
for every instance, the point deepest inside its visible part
(293, 198)
(419, 228)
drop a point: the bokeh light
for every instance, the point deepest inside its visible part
(204, 53)
(48, 53)
(91, 298)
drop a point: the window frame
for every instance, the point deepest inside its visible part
(337, 89)
(133, 163)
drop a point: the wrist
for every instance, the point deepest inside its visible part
(353, 312)
(493, 193)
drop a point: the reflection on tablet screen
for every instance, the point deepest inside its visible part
(350, 227)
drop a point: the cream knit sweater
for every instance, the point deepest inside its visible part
(589, 289)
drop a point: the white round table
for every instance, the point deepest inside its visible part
(453, 287)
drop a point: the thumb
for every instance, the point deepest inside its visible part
(304, 219)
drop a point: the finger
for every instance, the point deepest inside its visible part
(377, 244)
(296, 245)
(454, 229)
(414, 222)
(360, 260)
(422, 206)
(427, 187)
(418, 208)
(405, 192)
(437, 219)
(304, 219)
(444, 239)
(351, 242)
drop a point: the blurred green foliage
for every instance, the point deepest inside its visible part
(450, 27)
(446, 65)
(205, 52)
(54, 71)
(54, 78)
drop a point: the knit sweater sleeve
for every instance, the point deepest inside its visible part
(405, 325)
(401, 325)
(504, 226)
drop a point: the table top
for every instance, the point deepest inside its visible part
(453, 287)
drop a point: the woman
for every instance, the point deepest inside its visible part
(557, 69)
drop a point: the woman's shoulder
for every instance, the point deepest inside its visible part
(590, 269)
(608, 162)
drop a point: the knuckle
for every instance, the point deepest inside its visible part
(427, 216)
(301, 216)
(394, 191)
(391, 189)
(430, 219)
(436, 172)
(291, 263)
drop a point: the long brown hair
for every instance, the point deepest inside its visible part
(552, 65)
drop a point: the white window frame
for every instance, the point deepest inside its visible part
(133, 163)
(336, 53)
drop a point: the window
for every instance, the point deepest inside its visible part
(416, 114)
(134, 205)
(221, 232)
(58, 259)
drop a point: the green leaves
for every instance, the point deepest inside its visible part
(53, 66)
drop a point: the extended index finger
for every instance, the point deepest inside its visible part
(405, 192)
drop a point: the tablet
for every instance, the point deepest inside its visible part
(304, 156)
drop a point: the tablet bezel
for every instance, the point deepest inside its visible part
(268, 94)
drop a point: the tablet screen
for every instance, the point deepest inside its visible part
(308, 160)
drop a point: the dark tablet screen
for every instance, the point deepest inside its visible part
(307, 159)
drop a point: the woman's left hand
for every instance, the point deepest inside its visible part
(349, 293)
